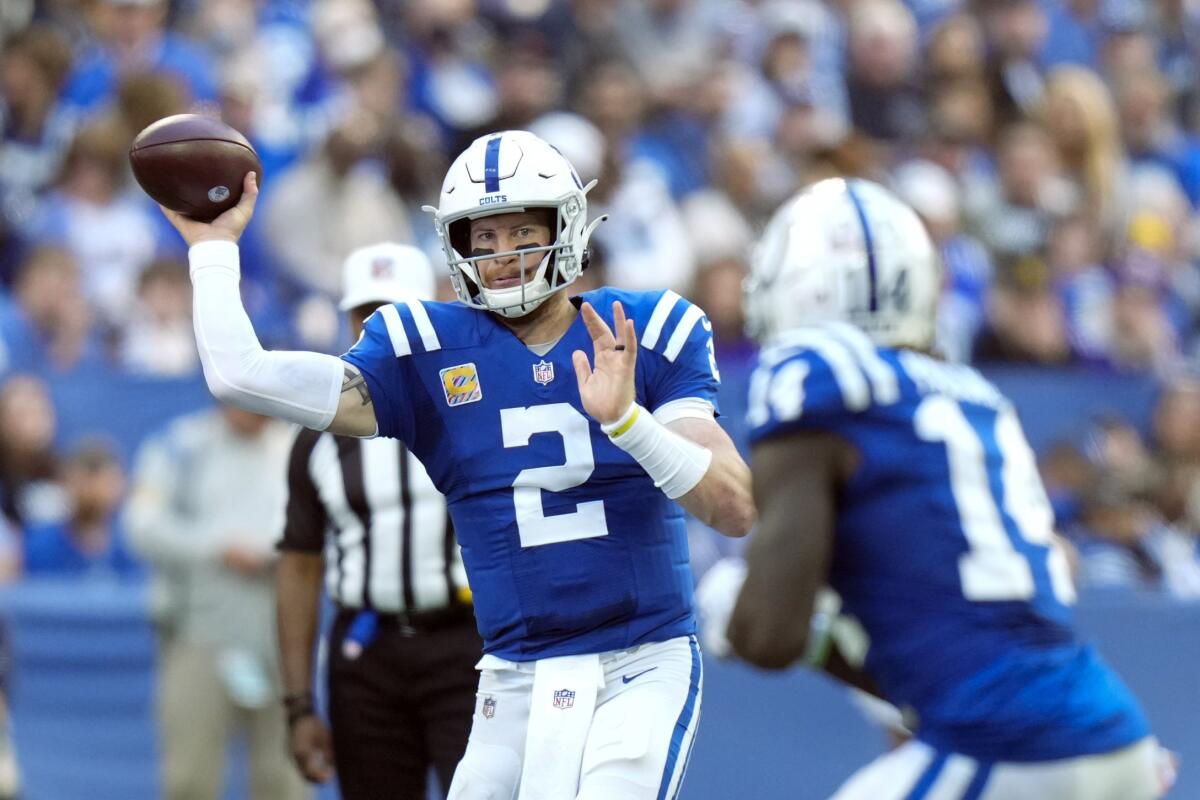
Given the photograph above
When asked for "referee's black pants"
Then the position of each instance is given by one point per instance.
(403, 705)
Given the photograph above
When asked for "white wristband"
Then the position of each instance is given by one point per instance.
(674, 462)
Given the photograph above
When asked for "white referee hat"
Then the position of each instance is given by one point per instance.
(386, 272)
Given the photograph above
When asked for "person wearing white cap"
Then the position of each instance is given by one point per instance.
(364, 515)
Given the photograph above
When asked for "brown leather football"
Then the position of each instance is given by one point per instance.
(193, 164)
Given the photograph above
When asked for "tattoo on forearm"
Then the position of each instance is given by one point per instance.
(355, 380)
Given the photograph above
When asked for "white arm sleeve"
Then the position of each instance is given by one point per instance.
(299, 387)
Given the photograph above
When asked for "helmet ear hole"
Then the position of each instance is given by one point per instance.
(460, 235)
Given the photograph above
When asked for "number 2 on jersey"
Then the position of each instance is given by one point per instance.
(993, 569)
(518, 425)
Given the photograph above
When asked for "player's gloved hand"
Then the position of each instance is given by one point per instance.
(312, 748)
(607, 388)
(226, 228)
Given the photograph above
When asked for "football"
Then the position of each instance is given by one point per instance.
(193, 164)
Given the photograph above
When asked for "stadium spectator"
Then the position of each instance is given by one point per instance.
(1025, 322)
(885, 101)
(1177, 449)
(130, 36)
(451, 80)
(1066, 474)
(203, 504)
(1124, 544)
(158, 338)
(611, 94)
(30, 493)
(956, 51)
(527, 86)
(37, 127)
(1151, 134)
(1079, 115)
(960, 134)
(415, 165)
(148, 97)
(108, 230)
(1013, 215)
(1016, 31)
(934, 195)
(1124, 540)
(331, 203)
(793, 49)
(668, 42)
(1144, 336)
(49, 327)
(1085, 287)
(89, 543)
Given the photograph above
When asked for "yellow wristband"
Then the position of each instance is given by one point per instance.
(627, 424)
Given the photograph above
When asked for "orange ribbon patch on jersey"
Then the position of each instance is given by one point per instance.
(461, 385)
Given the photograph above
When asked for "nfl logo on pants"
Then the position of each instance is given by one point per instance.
(564, 698)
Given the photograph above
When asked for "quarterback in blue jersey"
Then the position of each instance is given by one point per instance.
(565, 434)
(906, 484)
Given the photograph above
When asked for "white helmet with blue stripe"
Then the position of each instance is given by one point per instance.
(845, 250)
(503, 173)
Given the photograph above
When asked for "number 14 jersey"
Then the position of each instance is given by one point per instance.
(568, 545)
(944, 550)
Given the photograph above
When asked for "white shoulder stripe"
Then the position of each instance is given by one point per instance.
(884, 382)
(658, 318)
(424, 326)
(856, 393)
(682, 331)
(395, 329)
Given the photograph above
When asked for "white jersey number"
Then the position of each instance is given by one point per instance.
(993, 569)
(587, 521)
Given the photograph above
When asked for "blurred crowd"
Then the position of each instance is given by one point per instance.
(1052, 147)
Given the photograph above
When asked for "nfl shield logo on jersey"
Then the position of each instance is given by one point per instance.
(543, 372)
(461, 385)
(564, 698)
(489, 707)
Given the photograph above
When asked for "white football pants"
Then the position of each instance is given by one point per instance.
(915, 770)
(637, 744)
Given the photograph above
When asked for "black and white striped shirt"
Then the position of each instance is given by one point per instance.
(383, 527)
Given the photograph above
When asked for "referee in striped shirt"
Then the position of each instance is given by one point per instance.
(364, 515)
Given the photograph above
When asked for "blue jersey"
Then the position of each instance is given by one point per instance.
(944, 550)
(568, 545)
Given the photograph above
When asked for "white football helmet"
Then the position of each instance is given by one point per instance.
(501, 173)
(845, 250)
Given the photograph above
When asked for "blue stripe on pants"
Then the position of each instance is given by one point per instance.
(683, 723)
(491, 166)
(975, 790)
(925, 782)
